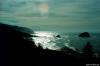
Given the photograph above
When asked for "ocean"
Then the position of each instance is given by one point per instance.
(56, 41)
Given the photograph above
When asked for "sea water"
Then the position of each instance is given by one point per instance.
(50, 40)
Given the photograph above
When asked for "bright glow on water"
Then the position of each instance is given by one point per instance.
(44, 34)
(51, 41)
(46, 40)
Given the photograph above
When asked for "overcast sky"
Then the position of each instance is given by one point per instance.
(52, 15)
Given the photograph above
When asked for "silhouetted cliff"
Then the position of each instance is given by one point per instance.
(17, 47)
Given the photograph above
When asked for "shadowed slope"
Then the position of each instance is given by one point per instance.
(18, 48)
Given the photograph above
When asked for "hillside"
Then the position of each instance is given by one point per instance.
(17, 47)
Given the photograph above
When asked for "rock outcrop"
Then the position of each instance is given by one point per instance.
(84, 35)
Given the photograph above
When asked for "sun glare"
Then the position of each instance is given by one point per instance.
(43, 8)
(43, 34)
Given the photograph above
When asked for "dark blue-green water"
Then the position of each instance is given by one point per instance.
(50, 40)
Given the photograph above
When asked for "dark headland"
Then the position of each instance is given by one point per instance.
(17, 48)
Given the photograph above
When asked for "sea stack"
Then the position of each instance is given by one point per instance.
(84, 35)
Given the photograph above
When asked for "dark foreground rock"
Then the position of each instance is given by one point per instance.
(17, 48)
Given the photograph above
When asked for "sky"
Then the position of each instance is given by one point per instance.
(52, 15)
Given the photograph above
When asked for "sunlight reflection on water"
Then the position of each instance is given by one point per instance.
(50, 40)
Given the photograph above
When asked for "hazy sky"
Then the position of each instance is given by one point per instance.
(56, 15)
